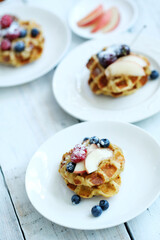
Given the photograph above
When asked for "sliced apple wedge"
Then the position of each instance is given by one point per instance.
(114, 21)
(128, 68)
(80, 167)
(102, 21)
(91, 148)
(95, 157)
(135, 59)
(91, 18)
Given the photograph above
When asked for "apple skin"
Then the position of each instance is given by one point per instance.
(91, 18)
(114, 21)
(128, 68)
(102, 21)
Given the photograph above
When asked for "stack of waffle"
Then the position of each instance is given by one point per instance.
(33, 46)
(114, 86)
(104, 181)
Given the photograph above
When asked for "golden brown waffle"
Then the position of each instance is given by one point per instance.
(107, 189)
(33, 47)
(105, 181)
(114, 86)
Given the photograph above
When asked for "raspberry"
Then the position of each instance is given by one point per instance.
(5, 45)
(13, 35)
(6, 21)
(79, 153)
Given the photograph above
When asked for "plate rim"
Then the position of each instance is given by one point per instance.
(74, 126)
(53, 65)
(130, 25)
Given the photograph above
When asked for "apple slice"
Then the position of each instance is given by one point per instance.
(91, 148)
(95, 157)
(91, 17)
(135, 59)
(102, 21)
(128, 68)
(115, 19)
(80, 167)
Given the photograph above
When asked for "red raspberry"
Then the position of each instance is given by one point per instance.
(13, 35)
(6, 21)
(5, 45)
(79, 153)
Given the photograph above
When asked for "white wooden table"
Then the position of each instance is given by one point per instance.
(29, 115)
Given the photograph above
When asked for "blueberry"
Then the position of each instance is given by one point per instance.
(76, 199)
(154, 75)
(70, 167)
(85, 139)
(19, 46)
(104, 204)
(104, 142)
(23, 33)
(96, 211)
(123, 51)
(34, 32)
(94, 140)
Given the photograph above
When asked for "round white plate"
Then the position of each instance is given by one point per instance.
(140, 180)
(57, 39)
(128, 15)
(70, 85)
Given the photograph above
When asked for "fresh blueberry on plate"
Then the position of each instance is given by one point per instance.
(76, 199)
(104, 143)
(70, 167)
(96, 211)
(154, 75)
(85, 139)
(34, 32)
(94, 140)
(23, 33)
(104, 204)
(19, 46)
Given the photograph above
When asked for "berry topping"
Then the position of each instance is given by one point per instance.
(85, 139)
(104, 143)
(5, 45)
(70, 167)
(104, 204)
(13, 35)
(6, 21)
(19, 46)
(94, 140)
(106, 58)
(23, 33)
(34, 32)
(154, 75)
(76, 199)
(123, 51)
(96, 211)
(79, 153)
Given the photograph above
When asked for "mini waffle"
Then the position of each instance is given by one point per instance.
(107, 189)
(33, 46)
(114, 86)
(105, 181)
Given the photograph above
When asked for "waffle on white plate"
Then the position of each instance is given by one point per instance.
(115, 71)
(97, 171)
(21, 42)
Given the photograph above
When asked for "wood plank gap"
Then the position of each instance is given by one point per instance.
(129, 231)
(14, 209)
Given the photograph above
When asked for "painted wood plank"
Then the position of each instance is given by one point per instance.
(9, 227)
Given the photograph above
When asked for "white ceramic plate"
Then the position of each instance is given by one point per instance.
(70, 85)
(57, 39)
(140, 180)
(128, 15)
